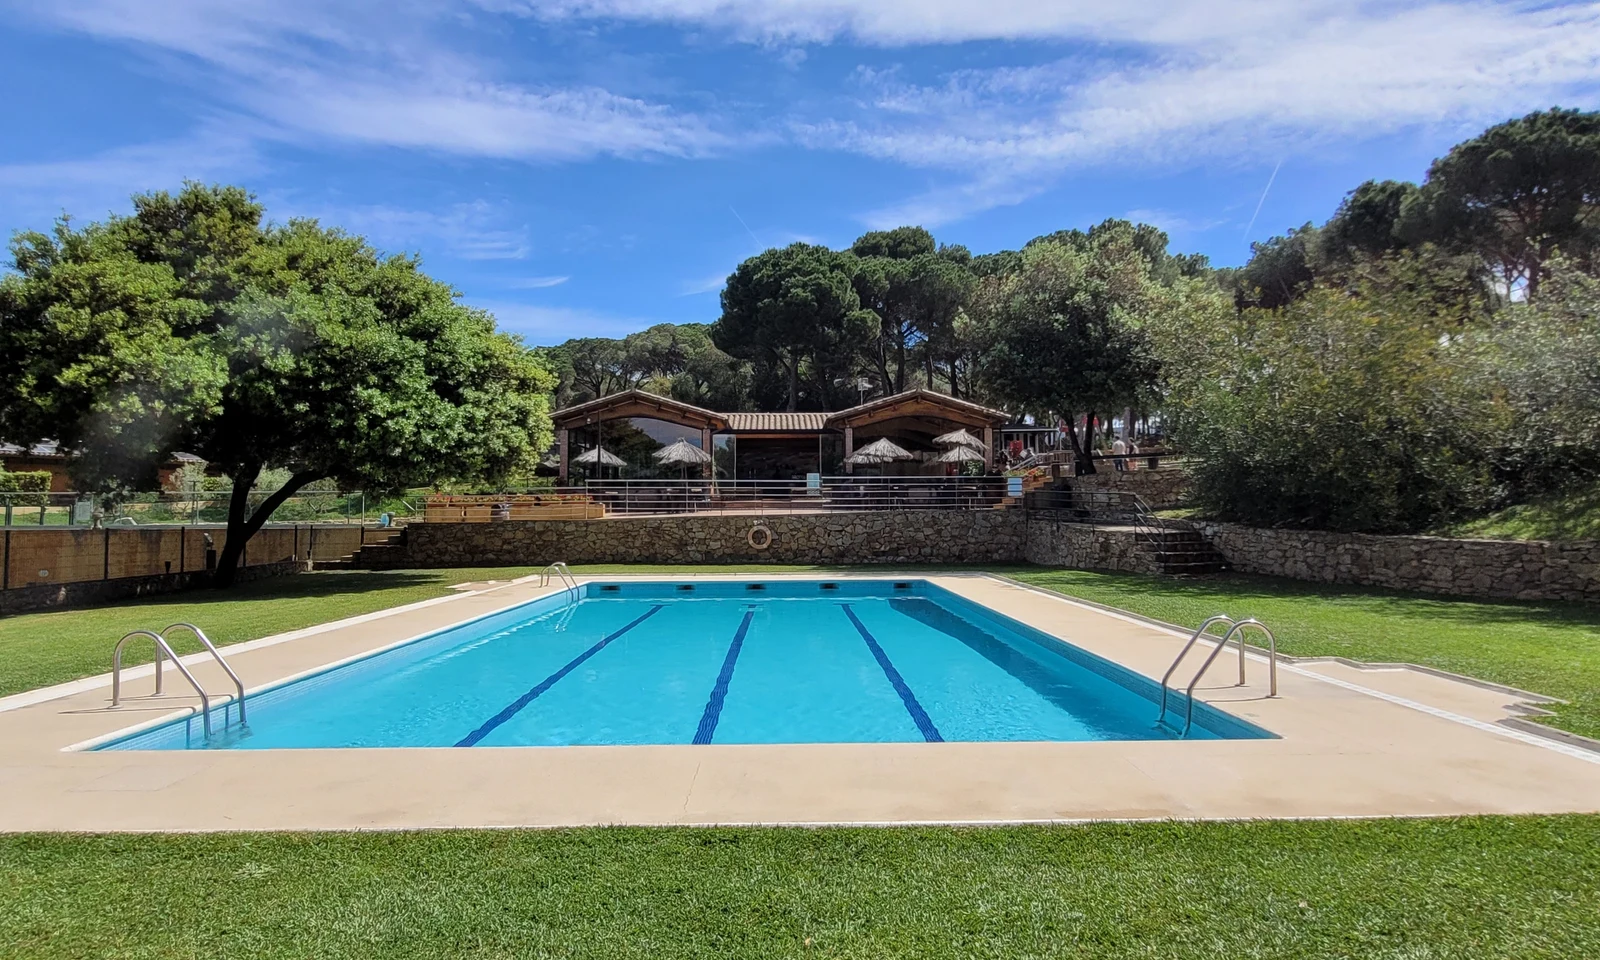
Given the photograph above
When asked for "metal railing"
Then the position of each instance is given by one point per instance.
(558, 570)
(161, 648)
(777, 497)
(164, 651)
(190, 508)
(238, 685)
(1235, 633)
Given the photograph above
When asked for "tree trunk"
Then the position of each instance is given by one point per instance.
(882, 360)
(794, 381)
(900, 364)
(242, 528)
(1082, 454)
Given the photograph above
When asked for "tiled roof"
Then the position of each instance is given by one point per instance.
(50, 448)
(755, 422)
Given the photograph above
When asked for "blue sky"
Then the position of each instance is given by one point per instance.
(589, 167)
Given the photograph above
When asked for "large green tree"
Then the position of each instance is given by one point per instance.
(796, 311)
(1521, 191)
(193, 326)
(1062, 335)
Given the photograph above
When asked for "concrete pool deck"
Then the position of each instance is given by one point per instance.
(1353, 743)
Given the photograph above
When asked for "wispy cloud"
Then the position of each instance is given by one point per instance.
(470, 231)
(711, 283)
(383, 73)
(536, 283)
(1323, 79)
(1175, 224)
(546, 326)
(90, 186)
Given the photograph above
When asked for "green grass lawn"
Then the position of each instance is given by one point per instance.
(1435, 889)
(1470, 888)
(1569, 515)
(1549, 648)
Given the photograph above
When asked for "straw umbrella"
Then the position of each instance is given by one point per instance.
(598, 457)
(959, 438)
(682, 453)
(879, 451)
(960, 453)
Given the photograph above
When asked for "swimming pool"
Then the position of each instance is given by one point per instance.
(724, 662)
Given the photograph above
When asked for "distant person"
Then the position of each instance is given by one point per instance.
(1133, 456)
(1119, 455)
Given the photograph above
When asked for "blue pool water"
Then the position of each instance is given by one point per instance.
(726, 662)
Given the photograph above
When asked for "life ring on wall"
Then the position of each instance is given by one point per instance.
(760, 536)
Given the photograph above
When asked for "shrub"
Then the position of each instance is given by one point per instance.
(33, 485)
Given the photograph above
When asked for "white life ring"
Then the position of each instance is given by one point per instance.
(760, 536)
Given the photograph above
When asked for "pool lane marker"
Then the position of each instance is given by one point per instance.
(516, 706)
(719, 692)
(919, 716)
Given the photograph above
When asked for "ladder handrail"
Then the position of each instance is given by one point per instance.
(216, 655)
(570, 583)
(161, 647)
(1200, 632)
(1272, 661)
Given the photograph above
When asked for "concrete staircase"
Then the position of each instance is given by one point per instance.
(1180, 551)
(386, 554)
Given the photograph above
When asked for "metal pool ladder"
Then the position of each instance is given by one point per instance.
(164, 651)
(1235, 627)
(559, 570)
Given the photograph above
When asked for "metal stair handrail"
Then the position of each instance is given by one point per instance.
(238, 685)
(1272, 662)
(570, 583)
(161, 648)
(1194, 638)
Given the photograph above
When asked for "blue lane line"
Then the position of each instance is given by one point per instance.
(719, 693)
(919, 716)
(550, 681)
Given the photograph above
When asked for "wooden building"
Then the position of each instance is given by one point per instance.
(771, 446)
(48, 457)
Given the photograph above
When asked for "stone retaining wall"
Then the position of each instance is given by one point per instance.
(1163, 488)
(898, 536)
(1085, 546)
(1494, 569)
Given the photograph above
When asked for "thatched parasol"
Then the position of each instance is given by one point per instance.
(600, 456)
(960, 453)
(878, 451)
(959, 438)
(683, 452)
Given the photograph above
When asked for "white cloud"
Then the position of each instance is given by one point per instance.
(1174, 224)
(90, 186)
(537, 283)
(711, 283)
(1321, 83)
(387, 74)
(902, 22)
(469, 231)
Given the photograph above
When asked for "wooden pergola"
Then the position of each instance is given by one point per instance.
(923, 414)
(635, 403)
(918, 412)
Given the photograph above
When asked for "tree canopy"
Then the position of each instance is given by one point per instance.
(194, 326)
